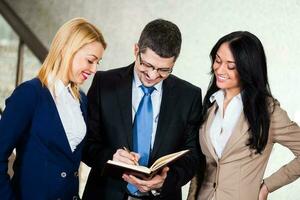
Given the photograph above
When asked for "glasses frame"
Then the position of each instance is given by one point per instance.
(163, 72)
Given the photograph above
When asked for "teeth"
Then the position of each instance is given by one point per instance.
(222, 77)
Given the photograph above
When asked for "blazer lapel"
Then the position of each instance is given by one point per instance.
(168, 103)
(58, 133)
(124, 95)
(240, 129)
(206, 128)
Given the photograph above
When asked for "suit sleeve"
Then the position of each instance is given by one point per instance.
(95, 151)
(184, 169)
(15, 121)
(286, 133)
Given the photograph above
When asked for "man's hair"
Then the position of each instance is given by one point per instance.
(161, 36)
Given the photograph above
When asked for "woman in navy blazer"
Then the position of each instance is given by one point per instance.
(44, 119)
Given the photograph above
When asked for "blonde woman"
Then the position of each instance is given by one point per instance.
(44, 118)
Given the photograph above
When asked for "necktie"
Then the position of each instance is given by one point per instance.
(142, 131)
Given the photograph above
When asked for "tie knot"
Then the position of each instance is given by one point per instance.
(147, 90)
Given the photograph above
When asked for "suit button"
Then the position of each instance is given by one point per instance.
(215, 185)
(75, 198)
(76, 174)
(63, 174)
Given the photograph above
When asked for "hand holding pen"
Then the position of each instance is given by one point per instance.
(135, 157)
(124, 155)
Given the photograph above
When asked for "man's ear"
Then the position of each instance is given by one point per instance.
(136, 50)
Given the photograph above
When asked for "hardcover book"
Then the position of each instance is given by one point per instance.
(117, 169)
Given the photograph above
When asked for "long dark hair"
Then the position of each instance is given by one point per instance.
(251, 66)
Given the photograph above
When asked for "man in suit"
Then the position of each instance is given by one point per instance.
(120, 117)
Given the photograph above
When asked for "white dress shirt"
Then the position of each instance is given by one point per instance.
(222, 127)
(69, 112)
(137, 95)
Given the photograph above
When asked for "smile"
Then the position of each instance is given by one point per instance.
(222, 77)
(85, 75)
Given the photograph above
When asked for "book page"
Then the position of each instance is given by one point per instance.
(166, 159)
(139, 168)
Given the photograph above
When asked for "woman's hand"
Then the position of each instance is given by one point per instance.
(263, 193)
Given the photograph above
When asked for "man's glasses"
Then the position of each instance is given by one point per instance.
(163, 72)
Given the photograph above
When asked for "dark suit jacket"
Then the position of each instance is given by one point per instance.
(110, 128)
(45, 166)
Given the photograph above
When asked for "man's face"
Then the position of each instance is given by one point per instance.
(151, 68)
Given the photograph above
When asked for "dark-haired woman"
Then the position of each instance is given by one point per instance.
(241, 123)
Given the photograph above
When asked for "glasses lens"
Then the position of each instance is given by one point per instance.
(164, 72)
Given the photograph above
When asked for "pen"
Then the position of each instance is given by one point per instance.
(134, 160)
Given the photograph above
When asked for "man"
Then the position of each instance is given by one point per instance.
(120, 117)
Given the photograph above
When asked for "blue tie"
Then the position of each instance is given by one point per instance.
(142, 131)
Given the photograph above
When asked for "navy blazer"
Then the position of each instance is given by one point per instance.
(45, 166)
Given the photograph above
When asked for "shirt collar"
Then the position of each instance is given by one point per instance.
(58, 87)
(137, 82)
(61, 88)
(219, 96)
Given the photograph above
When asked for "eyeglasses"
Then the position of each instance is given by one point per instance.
(163, 72)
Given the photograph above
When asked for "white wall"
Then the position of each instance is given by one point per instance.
(276, 23)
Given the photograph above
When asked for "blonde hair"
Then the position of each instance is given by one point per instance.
(70, 37)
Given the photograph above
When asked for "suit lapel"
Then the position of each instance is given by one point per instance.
(206, 129)
(168, 103)
(240, 129)
(124, 95)
(59, 133)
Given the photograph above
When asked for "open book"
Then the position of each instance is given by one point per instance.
(116, 169)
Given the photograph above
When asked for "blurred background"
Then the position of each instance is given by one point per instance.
(28, 26)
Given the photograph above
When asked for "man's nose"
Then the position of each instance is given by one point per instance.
(153, 74)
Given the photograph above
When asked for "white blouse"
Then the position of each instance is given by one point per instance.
(222, 127)
(70, 113)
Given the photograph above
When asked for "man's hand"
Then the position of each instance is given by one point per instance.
(146, 185)
(263, 193)
(124, 156)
